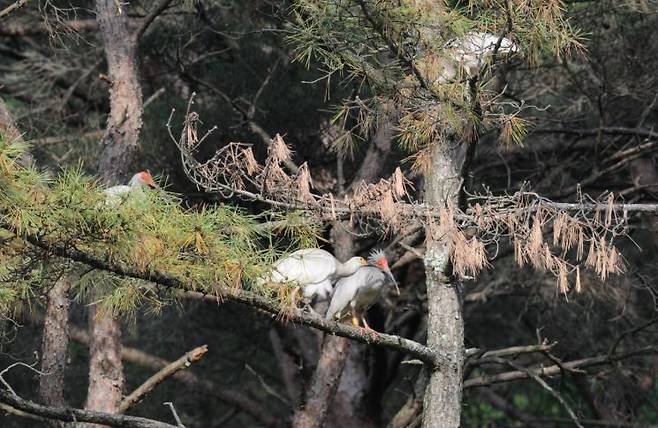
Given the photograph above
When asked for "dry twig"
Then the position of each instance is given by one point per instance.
(163, 374)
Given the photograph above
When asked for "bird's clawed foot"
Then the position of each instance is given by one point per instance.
(367, 330)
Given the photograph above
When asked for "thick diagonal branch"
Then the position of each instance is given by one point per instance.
(244, 297)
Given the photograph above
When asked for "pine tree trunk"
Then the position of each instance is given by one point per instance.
(445, 328)
(106, 378)
(126, 111)
(333, 356)
(54, 345)
(119, 146)
(347, 408)
(324, 383)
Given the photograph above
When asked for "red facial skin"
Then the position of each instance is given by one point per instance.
(382, 263)
(146, 178)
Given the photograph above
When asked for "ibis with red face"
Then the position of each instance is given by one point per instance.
(354, 294)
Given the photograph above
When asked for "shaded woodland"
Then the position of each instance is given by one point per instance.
(516, 200)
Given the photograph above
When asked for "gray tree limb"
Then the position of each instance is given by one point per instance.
(67, 414)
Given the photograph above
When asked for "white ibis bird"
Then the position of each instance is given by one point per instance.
(357, 292)
(472, 51)
(315, 270)
(138, 181)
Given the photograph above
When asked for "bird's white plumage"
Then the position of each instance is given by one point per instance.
(114, 194)
(471, 51)
(356, 292)
(314, 269)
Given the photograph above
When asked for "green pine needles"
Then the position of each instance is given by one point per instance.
(209, 249)
(415, 55)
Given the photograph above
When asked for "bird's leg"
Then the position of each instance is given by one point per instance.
(355, 319)
(367, 328)
(365, 331)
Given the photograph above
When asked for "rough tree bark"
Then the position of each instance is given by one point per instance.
(54, 345)
(324, 383)
(125, 119)
(445, 325)
(119, 146)
(7, 126)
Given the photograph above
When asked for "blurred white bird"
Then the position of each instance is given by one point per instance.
(315, 270)
(473, 50)
(138, 181)
(357, 292)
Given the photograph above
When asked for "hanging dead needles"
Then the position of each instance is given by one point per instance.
(522, 218)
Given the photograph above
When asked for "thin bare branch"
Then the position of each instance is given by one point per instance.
(12, 8)
(534, 376)
(608, 130)
(148, 20)
(235, 399)
(557, 369)
(78, 415)
(182, 363)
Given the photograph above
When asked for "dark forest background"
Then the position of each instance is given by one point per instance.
(591, 131)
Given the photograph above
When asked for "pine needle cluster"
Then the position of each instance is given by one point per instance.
(406, 51)
(209, 249)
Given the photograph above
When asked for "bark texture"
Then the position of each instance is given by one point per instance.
(333, 356)
(7, 126)
(119, 146)
(125, 119)
(106, 378)
(411, 412)
(324, 383)
(445, 325)
(54, 345)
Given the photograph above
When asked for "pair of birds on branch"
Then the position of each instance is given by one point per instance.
(358, 283)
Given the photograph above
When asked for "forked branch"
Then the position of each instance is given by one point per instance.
(78, 415)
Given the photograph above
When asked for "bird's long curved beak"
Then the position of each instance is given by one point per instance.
(390, 275)
(153, 185)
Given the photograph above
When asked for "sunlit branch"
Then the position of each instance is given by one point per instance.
(244, 297)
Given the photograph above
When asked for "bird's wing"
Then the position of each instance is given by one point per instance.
(345, 290)
(117, 190)
(372, 280)
(114, 194)
(321, 290)
(308, 266)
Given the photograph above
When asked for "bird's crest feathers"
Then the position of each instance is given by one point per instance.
(378, 258)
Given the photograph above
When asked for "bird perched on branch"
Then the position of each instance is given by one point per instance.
(354, 294)
(138, 181)
(315, 270)
(471, 51)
